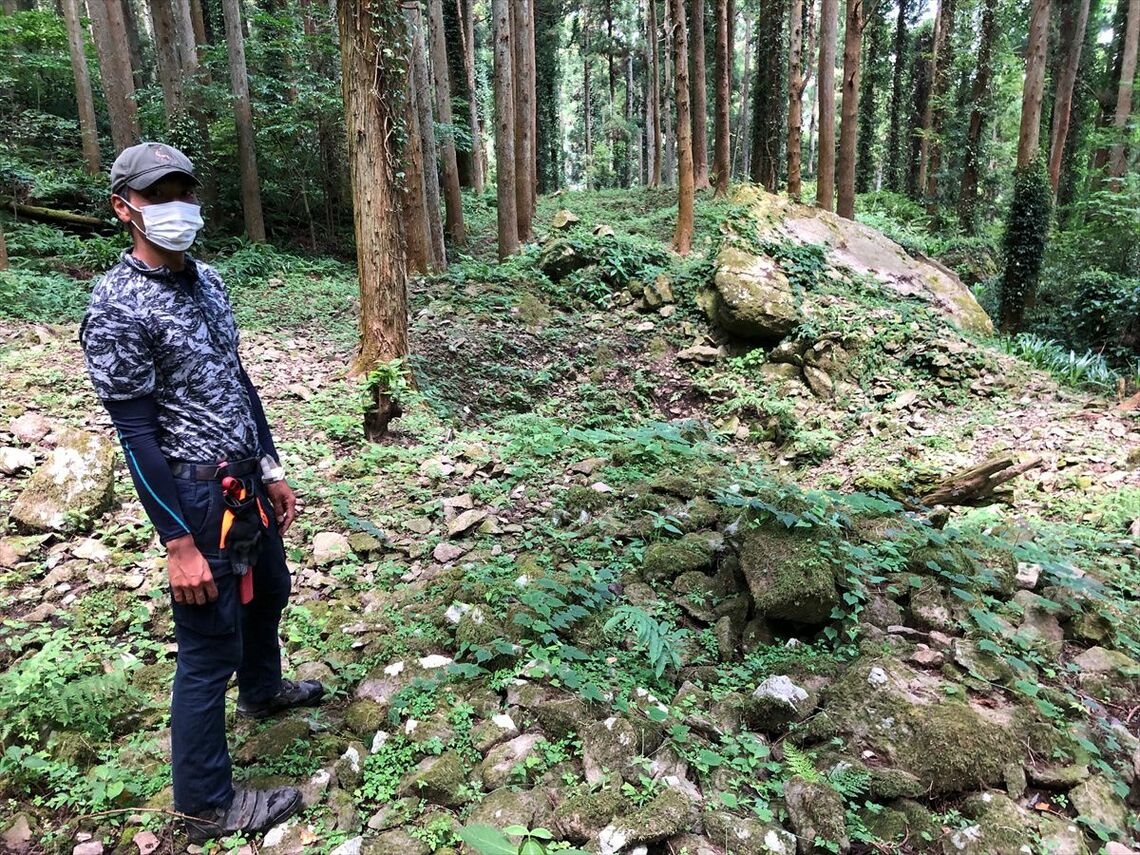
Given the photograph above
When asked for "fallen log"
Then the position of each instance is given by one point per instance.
(976, 486)
(53, 215)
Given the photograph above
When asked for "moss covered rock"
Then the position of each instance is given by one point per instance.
(439, 780)
(923, 725)
(668, 559)
(786, 574)
(71, 488)
(669, 813)
(753, 299)
(747, 836)
(582, 816)
(816, 812)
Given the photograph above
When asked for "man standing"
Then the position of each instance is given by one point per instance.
(161, 347)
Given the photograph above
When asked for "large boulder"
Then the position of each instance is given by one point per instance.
(921, 724)
(787, 576)
(753, 299)
(71, 488)
(863, 250)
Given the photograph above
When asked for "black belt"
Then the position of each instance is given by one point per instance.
(214, 471)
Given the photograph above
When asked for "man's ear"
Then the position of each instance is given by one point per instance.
(121, 208)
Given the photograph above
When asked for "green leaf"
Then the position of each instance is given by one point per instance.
(729, 800)
(487, 840)
(710, 758)
(656, 713)
(532, 847)
(516, 830)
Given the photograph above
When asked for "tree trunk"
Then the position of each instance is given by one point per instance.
(873, 71)
(668, 85)
(478, 157)
(979, 99)
(371, 42)
(3, 242)
(451, 193)
(631, 133)
(654, 97)
(548, 135)
(743, 129)
(505, 129)
(796, 83)
(1082, 116)
(825, 172)
(76, 46)
(700, 99)
(1072, 40)
(522, 65)
(1117, 159)
(109, 29)
(588, 160)
(417, 231)
(769, 103)
(198, 19)
(166, 52)
(421, 88)
(848, 131)
(134, 43)
(243, 120)
(1036, 52)
(921, 79)
(936, 105)
(683, 237)
(896, 144)
(721, 165)
(185, 39)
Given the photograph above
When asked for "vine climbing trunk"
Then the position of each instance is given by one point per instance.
(796, 84)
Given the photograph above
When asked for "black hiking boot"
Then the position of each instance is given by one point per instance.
(307, 693)
(251, 812)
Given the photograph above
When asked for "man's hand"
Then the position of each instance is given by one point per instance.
(284, 504)
(190, 576)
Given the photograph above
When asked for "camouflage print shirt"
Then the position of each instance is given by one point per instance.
(151, 331)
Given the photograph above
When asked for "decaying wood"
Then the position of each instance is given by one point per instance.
(976, 486)
(52, 215)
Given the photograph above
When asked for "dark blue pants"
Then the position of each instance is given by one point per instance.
(214, 641)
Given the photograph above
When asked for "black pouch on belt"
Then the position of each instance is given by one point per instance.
(243, 525)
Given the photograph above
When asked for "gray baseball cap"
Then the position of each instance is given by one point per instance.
(142, 165)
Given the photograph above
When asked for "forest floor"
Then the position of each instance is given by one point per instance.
(504, 545)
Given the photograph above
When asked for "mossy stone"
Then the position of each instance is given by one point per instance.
(789, 578)
(816, 812)
(909, 718)
(273, 742)
(583, 815)
(666, 560)
(585, 499)
(365, 717)
(438, 780)
(668, 813)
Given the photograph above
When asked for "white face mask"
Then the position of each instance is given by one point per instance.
(171, 225)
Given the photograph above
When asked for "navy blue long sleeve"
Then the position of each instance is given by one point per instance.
(136, 420)
(264, 436)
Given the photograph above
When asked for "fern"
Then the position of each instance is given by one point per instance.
(800, 765)
(848, 781)
(658, 638)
